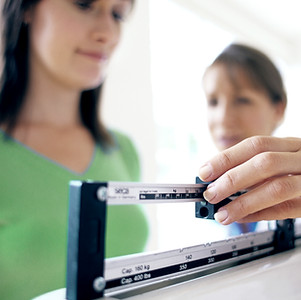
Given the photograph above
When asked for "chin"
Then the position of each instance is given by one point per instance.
(91, 81)
(91, 87)
(92, 84)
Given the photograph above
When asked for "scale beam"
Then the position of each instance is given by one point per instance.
(91, 276)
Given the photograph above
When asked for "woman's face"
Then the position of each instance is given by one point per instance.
(237, 111)
(71, 41)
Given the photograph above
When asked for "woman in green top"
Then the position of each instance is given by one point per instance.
(55, 57)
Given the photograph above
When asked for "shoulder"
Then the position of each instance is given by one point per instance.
(128, 151)
(122, 141)
(6, 140)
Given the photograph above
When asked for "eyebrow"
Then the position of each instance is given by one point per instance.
(89, 1)
(131, 1)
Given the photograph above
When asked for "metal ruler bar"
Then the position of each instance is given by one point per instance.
(134, 272)
(120, 193)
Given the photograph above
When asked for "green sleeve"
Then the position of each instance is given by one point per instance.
(129, 155)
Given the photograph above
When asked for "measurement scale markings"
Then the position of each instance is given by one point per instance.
(178, 256)
(135, 193)
(151, 274)
(154, 196)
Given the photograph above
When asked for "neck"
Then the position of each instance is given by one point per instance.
(53, 107)
(47, 102)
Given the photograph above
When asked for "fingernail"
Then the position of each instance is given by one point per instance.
(221, 215)
(205, 172)
(210, 192)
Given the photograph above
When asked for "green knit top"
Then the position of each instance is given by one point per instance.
(34, 214)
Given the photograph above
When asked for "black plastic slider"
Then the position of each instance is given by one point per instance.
(206, 210)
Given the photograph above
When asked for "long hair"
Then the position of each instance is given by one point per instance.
(14, 78)
(258, 66)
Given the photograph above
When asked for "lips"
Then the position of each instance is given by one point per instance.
(97, 56)
(228, 141)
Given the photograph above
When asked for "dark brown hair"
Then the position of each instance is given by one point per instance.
(259, 68)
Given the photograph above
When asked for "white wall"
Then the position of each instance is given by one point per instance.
(128, 93)
(154, 90)
(127, 98)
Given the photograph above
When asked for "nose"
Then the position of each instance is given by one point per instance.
(106, 30)
(225, 114)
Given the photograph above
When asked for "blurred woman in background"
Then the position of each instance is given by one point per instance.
(245, 97)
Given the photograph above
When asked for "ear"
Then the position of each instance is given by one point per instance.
(28, 16)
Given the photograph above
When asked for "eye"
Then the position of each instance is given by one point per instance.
(118, 16)
(83, 5)
(212, 102)
(121, 10)
(243, 100)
